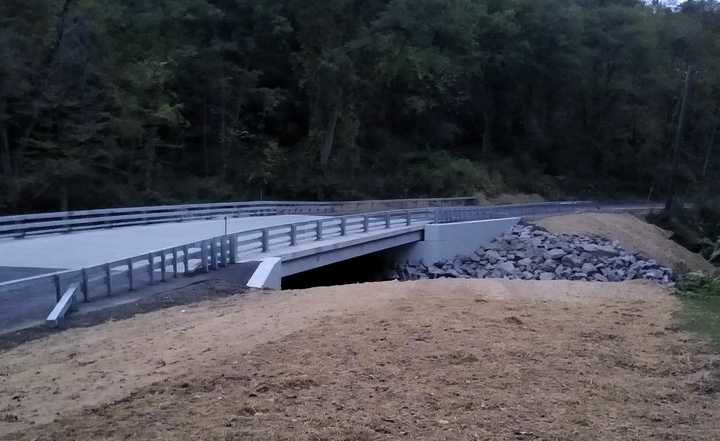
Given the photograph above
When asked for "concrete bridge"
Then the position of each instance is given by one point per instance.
(47, 270)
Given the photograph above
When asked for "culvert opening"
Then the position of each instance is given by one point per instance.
(376, 267)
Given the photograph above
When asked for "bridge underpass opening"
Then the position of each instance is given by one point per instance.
(375, 267)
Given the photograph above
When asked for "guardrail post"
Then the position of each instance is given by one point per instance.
(223, 252)
(175, 262)
(67, 219)
(265, 240)
(343, 226)
(151, 268)
(186, 260)
(387, 220)
(318, 230)
(293, 235)
(214, 254)
(108, 279)
(408, 218)
(84, 284)
(58, 288)
(130, 274)
(203, 256)
(233, 249)
(21, 231)
(366, 223)
(163, 269)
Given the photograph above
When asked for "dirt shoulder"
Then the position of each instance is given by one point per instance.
(633, 233)
(445, 359)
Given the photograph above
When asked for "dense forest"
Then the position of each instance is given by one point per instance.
(115, 102)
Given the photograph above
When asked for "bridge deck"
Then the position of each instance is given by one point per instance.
(89, 248)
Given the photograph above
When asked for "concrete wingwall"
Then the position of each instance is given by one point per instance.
(446, 241)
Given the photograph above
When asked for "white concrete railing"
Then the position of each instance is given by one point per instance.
(134, 272)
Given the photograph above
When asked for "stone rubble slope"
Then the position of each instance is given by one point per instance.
(530, 252)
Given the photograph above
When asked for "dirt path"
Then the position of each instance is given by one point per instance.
(432, 360)
(634, 234)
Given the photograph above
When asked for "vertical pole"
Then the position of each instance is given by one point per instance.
(84, 285)
(163, 265)
(233, 249)
(108, 279)
(387, 220)
(186, 260)
(58, 288)
(343, 226)
(130, 274)
(175, 262)
(318, 230)
(366, 223)
(408, 218)
(293, 235)
(265, 240)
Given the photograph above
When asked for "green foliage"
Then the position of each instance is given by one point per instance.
(110, 102)
(698, 285)
(700, 294)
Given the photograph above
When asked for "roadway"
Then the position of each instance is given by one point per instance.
(49, 253)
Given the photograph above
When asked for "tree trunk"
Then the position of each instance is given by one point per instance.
(329, 139)
(206, 158)
(223, 132)
(64, 197)
(678, 138)
(708, 152)
(487, 136)
(5, 155)
(150, 154)
(41, 83)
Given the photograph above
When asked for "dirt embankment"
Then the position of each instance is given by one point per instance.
(634, 234)
(431, 360)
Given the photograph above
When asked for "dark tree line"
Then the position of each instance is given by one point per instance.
(116, 102)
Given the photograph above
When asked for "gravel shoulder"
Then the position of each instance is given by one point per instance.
(633, 233)
(440, 359)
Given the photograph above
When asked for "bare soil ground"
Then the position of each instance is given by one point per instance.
(430, 360)
(634, 234)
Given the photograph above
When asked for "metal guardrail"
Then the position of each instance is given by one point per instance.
(68, 221)
(23, 225)
(461, 214)
(203, 256)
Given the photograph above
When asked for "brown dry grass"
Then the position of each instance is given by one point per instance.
(432, 360)
(634, 234)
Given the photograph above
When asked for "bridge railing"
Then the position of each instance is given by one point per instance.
(461, 214)
(68, 221)
(23, 225)
(135, 272)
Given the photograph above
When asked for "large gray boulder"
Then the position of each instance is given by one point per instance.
(555, 254)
